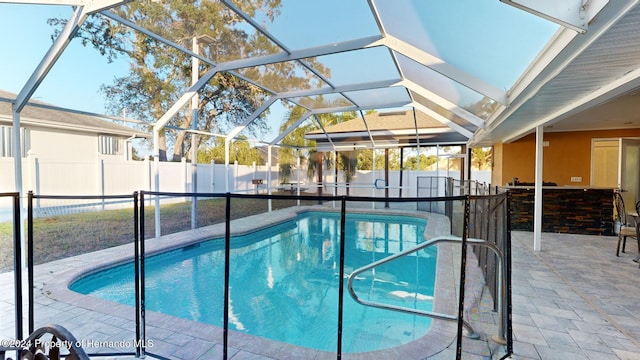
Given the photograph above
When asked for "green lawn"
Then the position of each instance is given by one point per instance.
(60, 236)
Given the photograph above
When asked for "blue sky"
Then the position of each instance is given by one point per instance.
(76, 77)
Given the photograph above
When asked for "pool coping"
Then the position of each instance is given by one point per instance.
(440, 335)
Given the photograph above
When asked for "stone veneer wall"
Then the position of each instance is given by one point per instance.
(565, 210)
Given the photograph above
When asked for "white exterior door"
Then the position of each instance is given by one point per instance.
(629, 171)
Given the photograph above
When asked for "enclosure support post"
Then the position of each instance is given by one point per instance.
(319, 167)
(17, 162)
(194, 189)
(537, 202)
(401, 172)
(386, 176)
(183, 178)
(418, 151)
(269, 175)
(213, 176)
(156, 176)
(53, 54)
(335, 176)
(235, 174)
(298, 174)
(253, 176)
(373, 172)
(195, 100)
(437, 160)
(226, 165)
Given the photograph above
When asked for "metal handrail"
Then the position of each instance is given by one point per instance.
(431, 314)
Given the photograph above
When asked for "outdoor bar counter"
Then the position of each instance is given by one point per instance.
(565, 209)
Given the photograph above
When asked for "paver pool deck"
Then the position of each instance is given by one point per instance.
(573, 300)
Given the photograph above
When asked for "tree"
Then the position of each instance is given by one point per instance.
(160, 74)
(481, 158)
(411, 162)
(483, 108)
(365, 159)
(239, 150)
(134, 154)
(348, 161)
(294, 140)
(394, 160)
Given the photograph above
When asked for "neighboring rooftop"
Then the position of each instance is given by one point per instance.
(395, 128)
(39, 113)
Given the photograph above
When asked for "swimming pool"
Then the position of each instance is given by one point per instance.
(284, 282)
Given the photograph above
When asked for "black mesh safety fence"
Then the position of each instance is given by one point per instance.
(70, 238)
(487, 290)
(404, 271)
(185, 275)
(182, 261)
(282, 295)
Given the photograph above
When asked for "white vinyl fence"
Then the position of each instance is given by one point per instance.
(115, 176)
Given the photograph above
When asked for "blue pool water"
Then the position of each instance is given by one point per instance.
(284, 282)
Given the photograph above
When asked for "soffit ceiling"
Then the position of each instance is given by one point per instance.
(591, 85)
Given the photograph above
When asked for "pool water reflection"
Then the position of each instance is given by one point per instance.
(284, 282)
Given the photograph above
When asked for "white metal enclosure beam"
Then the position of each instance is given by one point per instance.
(462, 131)
(47, 2)
(334, 110)
(444, 68)
(46, 64)
(184, 99)
(256, 26)
(252, 117)
(340, 89)
(50, 58)
(123, 21)
(389, 105)
(537, 206)
(573, 14)
(291, 128)
(324, 131)
(344, 46)
(440, 101)
(90, 6)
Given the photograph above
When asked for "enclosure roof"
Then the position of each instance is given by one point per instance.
(487, 71)
(392, 120)
(385, 129)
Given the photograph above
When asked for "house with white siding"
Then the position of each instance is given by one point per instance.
(55, 134)
(68, 152)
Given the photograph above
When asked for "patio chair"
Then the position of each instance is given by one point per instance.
(623, 226)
